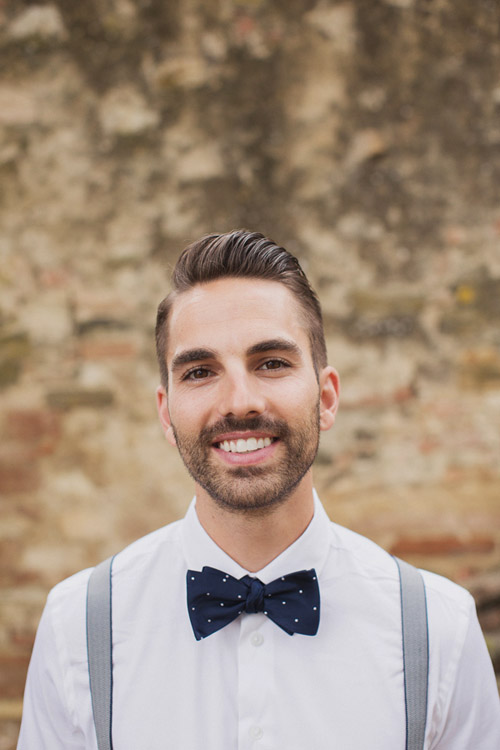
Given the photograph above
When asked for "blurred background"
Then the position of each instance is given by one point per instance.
(364, 136)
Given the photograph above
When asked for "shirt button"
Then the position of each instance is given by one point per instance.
(256, 733)
(256, 639)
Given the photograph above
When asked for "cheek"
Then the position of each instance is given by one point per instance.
(189, 413)
(295, 402)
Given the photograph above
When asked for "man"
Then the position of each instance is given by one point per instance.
(245, 390)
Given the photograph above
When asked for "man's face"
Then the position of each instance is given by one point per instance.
(244, 406)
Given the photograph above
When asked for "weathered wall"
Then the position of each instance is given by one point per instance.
(363, 135)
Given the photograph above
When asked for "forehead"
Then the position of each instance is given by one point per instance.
(234, 313)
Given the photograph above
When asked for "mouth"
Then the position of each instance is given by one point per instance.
(242, 445)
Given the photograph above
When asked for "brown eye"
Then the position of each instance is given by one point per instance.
(274, 364)
(199, 373)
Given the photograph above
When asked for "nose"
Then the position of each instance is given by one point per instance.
(240, 396)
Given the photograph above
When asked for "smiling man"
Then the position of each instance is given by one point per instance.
(254, 622)
(244, 402)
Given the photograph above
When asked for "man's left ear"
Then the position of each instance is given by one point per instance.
(329, 396)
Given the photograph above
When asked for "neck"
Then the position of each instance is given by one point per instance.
(253, 540)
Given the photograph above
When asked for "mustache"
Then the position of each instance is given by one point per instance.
(276, 427)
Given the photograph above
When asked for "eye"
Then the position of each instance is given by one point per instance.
(274, 364)
(197, 373)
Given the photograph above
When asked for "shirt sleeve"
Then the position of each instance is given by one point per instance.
(472, 716)
(47, 723)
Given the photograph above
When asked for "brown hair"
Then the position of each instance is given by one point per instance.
(241, 254)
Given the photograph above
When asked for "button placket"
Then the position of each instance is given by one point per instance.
(255, 682)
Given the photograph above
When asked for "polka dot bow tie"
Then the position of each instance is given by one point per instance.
(215, 599)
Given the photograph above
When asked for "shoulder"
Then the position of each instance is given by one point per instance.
(446, 595)
(358, 556)
(362, 558)
(162, 544)
(134, 560)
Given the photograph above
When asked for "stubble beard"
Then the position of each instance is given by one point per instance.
(254, 490)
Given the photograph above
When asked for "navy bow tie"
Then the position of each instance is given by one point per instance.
(215, 599)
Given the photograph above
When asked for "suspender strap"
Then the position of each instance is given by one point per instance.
(415, 653)
(99, 647)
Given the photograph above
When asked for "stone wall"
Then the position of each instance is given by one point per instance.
(364, 136)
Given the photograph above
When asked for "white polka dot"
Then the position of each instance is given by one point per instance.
(283, 602)
(282, 578)
(265, 612)
(314, 578)
(208, 593)
(315, 608)
(239, 596)
(222, 604)
(192, 578)
(300, 591)
(193, 608)
(296, 620)
(209, 620)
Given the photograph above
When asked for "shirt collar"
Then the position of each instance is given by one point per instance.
(308, 551)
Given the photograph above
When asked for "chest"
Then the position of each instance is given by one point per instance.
(253, 686)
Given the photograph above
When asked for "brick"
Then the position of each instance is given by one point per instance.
(13, 668)
(11, 573)
(244, 26)
(39, 22)
(490, 619)
(17, 108)
(381, 401)
(10, 720)
(18, 470)
(493, 644)
(485, 588)
(14, 348)
(429, 445)
(446, 544)
(108, 349)
(72, 398)
(480, 369)
(54, 278)
(39, 427)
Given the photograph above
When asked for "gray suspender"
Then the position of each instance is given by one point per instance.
(99, 650)
(415, 652)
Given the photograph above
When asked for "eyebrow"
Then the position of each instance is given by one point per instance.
(271, 345)
(191, 355)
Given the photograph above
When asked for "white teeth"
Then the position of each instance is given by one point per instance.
(245, 446)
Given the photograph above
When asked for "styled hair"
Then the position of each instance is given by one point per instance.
(241, 254)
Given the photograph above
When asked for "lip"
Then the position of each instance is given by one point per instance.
(247, 459)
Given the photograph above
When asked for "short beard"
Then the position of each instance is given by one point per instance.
(253, 490)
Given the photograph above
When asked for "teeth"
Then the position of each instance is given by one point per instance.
(245, 446)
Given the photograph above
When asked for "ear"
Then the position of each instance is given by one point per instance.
(164, 414)
(329, 397)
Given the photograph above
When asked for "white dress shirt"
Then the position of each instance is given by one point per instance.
(250, 686)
